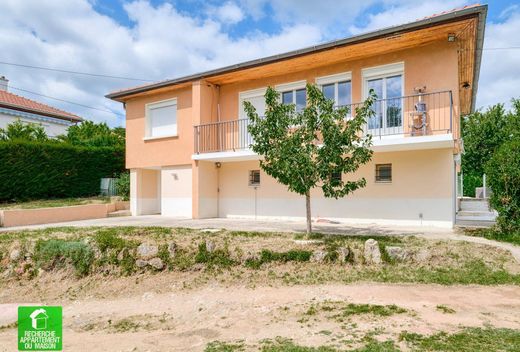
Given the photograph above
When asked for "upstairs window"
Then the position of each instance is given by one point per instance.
(383, 173)
(337, 87)
(161, 119)
(254, 178)
(294, 93)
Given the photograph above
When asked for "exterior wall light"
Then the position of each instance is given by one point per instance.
(451, 37)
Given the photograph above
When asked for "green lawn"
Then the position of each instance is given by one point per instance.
(495, 234)
(52, 203)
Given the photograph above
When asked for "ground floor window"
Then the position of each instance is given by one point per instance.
(383, 173)
(254, 177)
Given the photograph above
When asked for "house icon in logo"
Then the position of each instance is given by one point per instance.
(39, 319)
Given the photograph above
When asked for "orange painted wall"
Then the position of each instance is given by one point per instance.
(433, 65)
(159, 152)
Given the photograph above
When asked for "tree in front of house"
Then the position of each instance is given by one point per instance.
(307, 149)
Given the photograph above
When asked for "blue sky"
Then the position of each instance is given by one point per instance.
(155, 40)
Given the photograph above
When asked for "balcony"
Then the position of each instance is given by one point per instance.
(409, 119)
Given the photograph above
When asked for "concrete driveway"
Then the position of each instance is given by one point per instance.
(243, 225)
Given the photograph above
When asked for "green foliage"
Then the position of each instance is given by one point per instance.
(503, 172)
(164, 255)
(267, 256)
(218, 346)
(40, 170)
(108, 239)
(374, 309)
(483, 134)
(303, 149)
(496, 234)
(123, 185)
(54, 252)
(91, 134)
(23, 131)
(466, 340)
(219, 257)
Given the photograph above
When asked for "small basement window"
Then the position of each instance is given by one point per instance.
(383, 173)
(254, 177)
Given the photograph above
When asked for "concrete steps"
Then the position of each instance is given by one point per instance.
(475, 212)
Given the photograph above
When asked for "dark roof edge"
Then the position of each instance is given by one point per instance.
(39, 112)
(481, 26)
(427, 22)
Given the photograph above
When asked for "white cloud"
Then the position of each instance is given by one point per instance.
(162, 43)
(229, 13)
(399, 12)
(500, 72)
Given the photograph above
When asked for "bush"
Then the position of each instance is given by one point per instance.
(123, 186)
(503, 172)
(54, 252)
(39, 170)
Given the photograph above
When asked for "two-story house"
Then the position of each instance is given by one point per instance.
(188, 147)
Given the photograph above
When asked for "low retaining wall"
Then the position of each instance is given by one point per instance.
(22, 217)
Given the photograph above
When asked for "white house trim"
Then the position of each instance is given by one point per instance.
(338, 77)
(290, 86)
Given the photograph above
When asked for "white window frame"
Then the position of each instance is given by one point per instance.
(160, 104)
(335, 79)
(384, 71)
(290, 87)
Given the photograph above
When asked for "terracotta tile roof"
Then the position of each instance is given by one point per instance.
(16, 102)
(450, 11)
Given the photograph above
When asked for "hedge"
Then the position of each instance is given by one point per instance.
(503, 171)
(38, 170)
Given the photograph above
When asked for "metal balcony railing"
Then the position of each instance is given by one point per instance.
(409, 116)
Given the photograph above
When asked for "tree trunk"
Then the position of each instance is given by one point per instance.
(308, 208)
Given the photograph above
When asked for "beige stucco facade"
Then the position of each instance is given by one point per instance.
(173, 176)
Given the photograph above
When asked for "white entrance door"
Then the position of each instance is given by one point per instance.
(388, 119)
(257, 99)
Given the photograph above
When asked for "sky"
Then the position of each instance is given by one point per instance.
(151, 40)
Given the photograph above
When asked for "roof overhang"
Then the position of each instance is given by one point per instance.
(395, 38)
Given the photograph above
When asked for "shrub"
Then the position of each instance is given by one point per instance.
(219, 257)
(39, 170)
(108, 239)
(55, 252)
(267, 256)
(123, 186)
(503, 171)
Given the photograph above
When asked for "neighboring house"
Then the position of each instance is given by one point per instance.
(14, 107)
(188, 145)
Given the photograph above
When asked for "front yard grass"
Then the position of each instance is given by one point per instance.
(465, 340)
(53, 203)
(255, 258)
(494, 234)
